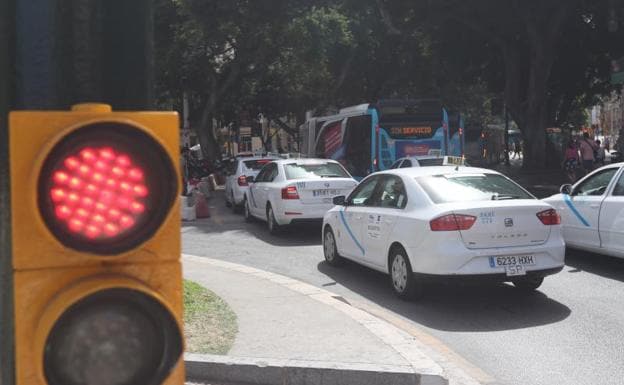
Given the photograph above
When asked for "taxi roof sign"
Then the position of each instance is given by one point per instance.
(454, 161)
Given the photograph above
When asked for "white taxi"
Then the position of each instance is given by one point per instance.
(428, 160)
(441, 222)
(292, 191)
(236, 181)
(592, 211)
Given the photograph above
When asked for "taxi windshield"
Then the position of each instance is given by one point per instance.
(471, 187)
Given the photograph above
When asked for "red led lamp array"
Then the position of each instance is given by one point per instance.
(98, 193)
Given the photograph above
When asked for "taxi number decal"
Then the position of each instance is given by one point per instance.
(373, 228)
(487, 217)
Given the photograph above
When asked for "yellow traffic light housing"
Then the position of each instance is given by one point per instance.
(96, 246)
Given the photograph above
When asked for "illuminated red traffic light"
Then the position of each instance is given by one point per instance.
(106, 188)
(98, 192)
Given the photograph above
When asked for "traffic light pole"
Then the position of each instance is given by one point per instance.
(7, 371)
(50, 67)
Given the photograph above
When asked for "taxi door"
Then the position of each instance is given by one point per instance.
(580, 219)
(259, 190)
(381, 218)
(352, 217)
(612, 219)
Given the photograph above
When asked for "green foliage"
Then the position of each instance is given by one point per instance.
(548, 59)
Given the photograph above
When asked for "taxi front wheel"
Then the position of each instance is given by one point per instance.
(405, 285)
(330, 250)
(528, 284)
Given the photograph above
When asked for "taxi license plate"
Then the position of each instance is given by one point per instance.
(513, 264)
(325, 193)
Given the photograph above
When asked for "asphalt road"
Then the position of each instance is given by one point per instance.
(570, 332)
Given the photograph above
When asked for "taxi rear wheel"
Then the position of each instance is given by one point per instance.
(233, 205)
(228, 203)
(405, 285)
(273, 226)
(247, 211)
(528, 284)
(330, 250)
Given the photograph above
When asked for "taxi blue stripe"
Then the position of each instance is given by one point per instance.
(344, 222)
(568, 201)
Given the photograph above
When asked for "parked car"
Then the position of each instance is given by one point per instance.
(428, 160)
(614, 157)
(592, 211)
(236, 180)
(420, 223)
(292, 191)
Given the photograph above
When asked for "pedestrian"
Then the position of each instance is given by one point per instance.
(600, 154)
(571, 161)
(184, 169)
(607, 144)
(517, 149)
(587, 149)
(483, 145)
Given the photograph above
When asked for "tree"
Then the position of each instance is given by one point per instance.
(526, 50)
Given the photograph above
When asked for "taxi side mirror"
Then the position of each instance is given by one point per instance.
(250, 179)
(566, 189)
(339, 200)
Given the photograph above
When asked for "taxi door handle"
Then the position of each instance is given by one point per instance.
(594, 206)
(266, 189)
(358, 217)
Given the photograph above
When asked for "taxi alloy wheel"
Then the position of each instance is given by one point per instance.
(274, 228)
(404, 284)
(528, 283)
(330, 250)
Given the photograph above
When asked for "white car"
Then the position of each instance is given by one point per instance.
(428, 160)
(236, 181)
(592, 211)
(426, 222)
(296, 190)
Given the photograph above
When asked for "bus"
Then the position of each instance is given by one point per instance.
(370, 137)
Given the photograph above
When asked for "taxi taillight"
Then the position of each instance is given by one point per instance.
(549, 217)
(290, 192)
(452, 222)
(242, 181)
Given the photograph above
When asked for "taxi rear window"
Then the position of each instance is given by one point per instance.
(256, 164)
(471, 187)
(315, 170)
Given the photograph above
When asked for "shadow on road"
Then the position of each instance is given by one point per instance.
(454, 307)
(602, 265)
(223, 220)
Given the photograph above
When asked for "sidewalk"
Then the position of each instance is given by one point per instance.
(290, 322)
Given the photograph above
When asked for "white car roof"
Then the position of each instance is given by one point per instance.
(437, 170)
(417, 157)
(305, 161)
(257, 158)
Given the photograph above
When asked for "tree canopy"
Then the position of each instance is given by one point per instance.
(547, 59)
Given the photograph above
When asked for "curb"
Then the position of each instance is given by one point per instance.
(421, 369)
(256, 371)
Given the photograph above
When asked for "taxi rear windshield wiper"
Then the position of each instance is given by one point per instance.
(500, 197)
